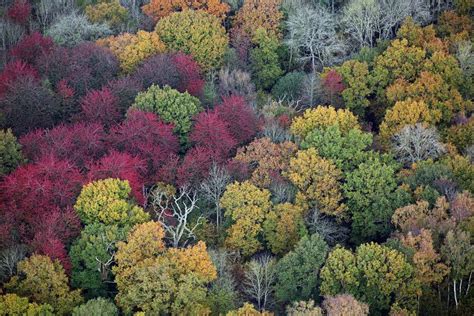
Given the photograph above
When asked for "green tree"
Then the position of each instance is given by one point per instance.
(297, 272)
(44, 281)
(197, 33)
(97, 307)
(92, 256)
(171, 106)
(12, 304)
(372, 197)
(10, 152)
(264, 59)
(246, 206)
(375, 274)
(108, 201)
(347, 150)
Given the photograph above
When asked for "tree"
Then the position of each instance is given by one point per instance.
(108, 201)
(247, 206)
(415, 143)
(212, 189)
(312, 34)
(304, 308)
(100, 106)
(297, 273)
(264, 59)
(236, 82)
(28, 105)
(375, 274)
(317, 180)
(372, 197)
(206, 42)
(404, 113)
(283, 227)
(44, 281)
(322, 117)
(344, 304)
(146, 136)
(358, 86)
(125, 89)
(266, 160)
(158, 9)
(212, 132)
(98, 306)
(12, 304)
(289, 87)
(242, 120)
(190, 74)
(152, 279)
(31, 47)
(171, 105)
(346, 151)
(195, 166)
(10, 152)
(13, 71)
(426, 261)
(247, 310)
(92, 256)
(173, 210)
(259, 279)
(73, 28)
(80, 143)
(19, 11)
(111, 13)
(132, 49)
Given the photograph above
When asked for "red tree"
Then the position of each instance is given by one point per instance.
(80, 143)
(190, 74)
(19, 11)
(31, 47)
(36, 193)
(195, 166)
(13, 71)
(159, 70)
(100, 106)
(242, 121)
(211, 132)
(332, 82)
(144, 135)
(125, 89)
(122, 166)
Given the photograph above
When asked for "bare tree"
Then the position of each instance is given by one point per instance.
(332, 232)
(236, 82)
(213, 187)
(465, 55)
(259, 279)
(47, 11)
(416, 142)
(9, 257)
(173, 209)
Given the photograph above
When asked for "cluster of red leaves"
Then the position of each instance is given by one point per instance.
(100, 106)
(190, 74)
(81, 143)
(144, 135)
(332, 82)
(19, 11)
(31, 47)
(36, 202)
(13, 71)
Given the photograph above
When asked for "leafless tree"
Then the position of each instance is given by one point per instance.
(173, 210)
(47, 11)
(416, 142)
(282, 192)
(9, 257)
(259, 279)
(213, 187)
(10, 33)
(465, 55)
(332, 232)
(236, 82)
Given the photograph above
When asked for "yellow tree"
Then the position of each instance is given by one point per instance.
(255, 14)
(322, 117)
(155, 280)
(131, 49)
(403, 113)
(157, 9)
(44, 281)
(12, 304)
(318, 182)
(247, 206)
(284, 227)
